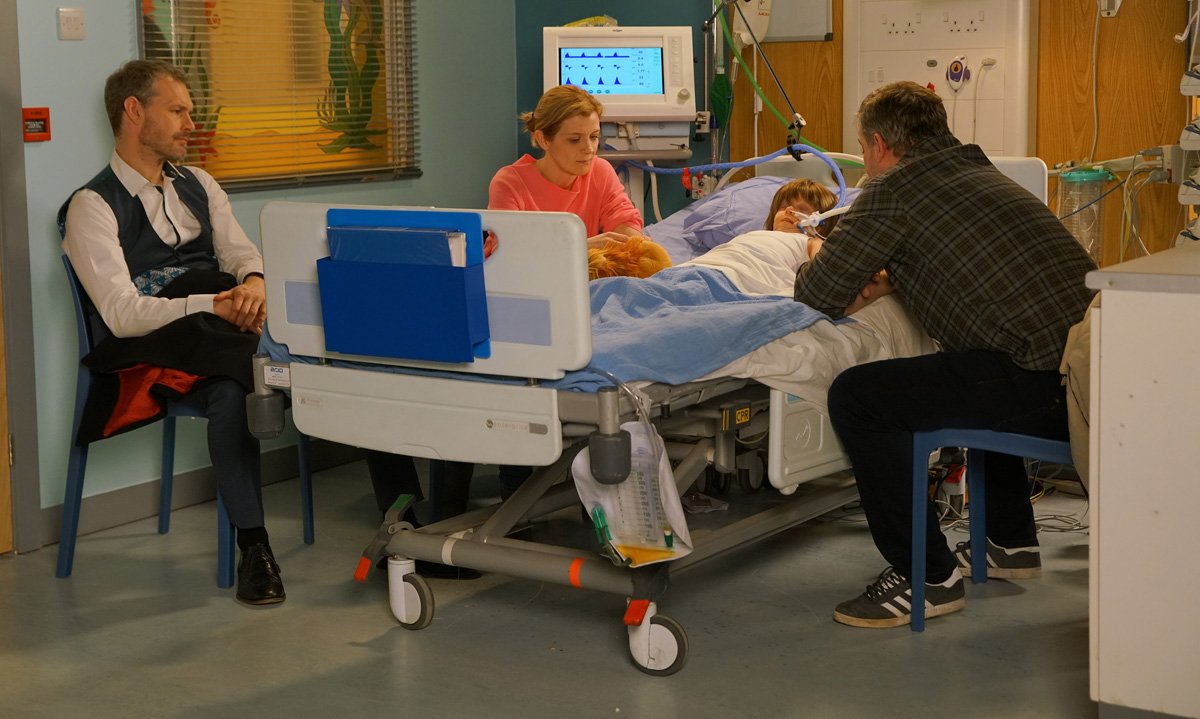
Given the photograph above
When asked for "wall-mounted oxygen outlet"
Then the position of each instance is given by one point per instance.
(72, 25)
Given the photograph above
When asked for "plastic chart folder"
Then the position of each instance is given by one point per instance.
(405, 284)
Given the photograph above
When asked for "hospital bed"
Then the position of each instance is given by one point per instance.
(537, 303)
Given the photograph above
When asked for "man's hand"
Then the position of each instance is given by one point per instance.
(814, 246)
(879, 286)
(244, 305)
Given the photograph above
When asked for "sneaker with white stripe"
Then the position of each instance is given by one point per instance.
(1002, 563)
(888, 601)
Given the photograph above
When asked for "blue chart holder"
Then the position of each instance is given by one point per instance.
(402, 294)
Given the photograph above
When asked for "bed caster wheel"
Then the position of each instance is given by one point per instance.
(659, 646)
(717, 482)
(750, 478)
(409, 594)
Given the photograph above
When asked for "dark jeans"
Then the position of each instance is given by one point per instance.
(232, 449)
(450, 482)
(395, 474)
(876, 407)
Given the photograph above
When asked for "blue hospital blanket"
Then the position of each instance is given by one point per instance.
(680, 324)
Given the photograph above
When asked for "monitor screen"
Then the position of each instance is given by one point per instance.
(640, 74)
(612, 70)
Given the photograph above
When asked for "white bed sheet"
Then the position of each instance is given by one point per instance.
(805, 363)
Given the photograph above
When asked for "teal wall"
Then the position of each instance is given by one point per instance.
(464, 105)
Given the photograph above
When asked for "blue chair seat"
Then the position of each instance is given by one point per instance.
(978, 443)
(77, 462)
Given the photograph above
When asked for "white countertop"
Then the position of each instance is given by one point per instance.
(1174, 270)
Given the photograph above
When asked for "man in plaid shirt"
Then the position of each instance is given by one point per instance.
(996, 279)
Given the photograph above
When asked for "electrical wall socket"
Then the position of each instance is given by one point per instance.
(72, 25)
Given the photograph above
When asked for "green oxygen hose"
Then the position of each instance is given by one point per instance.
(750, 78)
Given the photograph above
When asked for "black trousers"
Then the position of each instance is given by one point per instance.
(876, 407)
(233, 450)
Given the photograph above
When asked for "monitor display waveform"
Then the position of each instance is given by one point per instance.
(613, 71)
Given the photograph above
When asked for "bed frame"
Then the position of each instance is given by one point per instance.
(538, 313)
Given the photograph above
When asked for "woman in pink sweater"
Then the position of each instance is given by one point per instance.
(565, 125)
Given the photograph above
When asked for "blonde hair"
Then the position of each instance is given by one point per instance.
(557, 105)
(815, 194)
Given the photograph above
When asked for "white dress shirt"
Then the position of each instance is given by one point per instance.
(92, 245)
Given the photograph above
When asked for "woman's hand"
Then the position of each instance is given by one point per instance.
(598, 242)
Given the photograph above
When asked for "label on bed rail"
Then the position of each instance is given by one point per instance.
(279, 376)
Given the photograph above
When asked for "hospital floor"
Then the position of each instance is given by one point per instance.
(141, 630)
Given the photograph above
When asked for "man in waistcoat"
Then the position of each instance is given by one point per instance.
(157, 249)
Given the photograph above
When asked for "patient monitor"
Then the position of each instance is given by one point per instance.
(644, 77)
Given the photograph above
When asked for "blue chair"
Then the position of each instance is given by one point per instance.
(978, 443)
(77, 463)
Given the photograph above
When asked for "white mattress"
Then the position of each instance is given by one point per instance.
(805, 363)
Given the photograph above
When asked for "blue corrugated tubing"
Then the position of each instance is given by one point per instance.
(837, 171)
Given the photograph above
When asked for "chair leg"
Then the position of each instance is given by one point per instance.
(977, 518)
(306, 493)
(168, 475)
(920, 498)
(225, 546)
(76, 465)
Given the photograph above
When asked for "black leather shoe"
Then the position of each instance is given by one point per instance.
(258, 577)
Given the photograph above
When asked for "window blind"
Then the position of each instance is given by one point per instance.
(291, 92)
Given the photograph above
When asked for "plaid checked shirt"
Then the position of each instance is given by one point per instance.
(981, 263)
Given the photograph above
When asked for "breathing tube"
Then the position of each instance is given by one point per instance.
(790, 149)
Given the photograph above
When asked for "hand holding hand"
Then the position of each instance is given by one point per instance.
(244, 305)
(878, 286)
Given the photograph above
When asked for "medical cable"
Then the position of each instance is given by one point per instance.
(796, 126)
(1104, 194)
(847, 159)
(1095, 95)
(986, 64)
(641, 403)
(654, 193)
(758, 89)
(1134, 220)
(837, 172)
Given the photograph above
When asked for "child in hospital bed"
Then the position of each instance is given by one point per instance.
(765, 261)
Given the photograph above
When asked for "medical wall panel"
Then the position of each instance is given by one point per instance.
(978, 55)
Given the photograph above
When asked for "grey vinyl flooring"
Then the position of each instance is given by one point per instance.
(141, 630)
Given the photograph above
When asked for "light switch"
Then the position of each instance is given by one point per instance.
(71, 23)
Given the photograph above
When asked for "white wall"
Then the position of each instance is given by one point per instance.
(466, 107)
